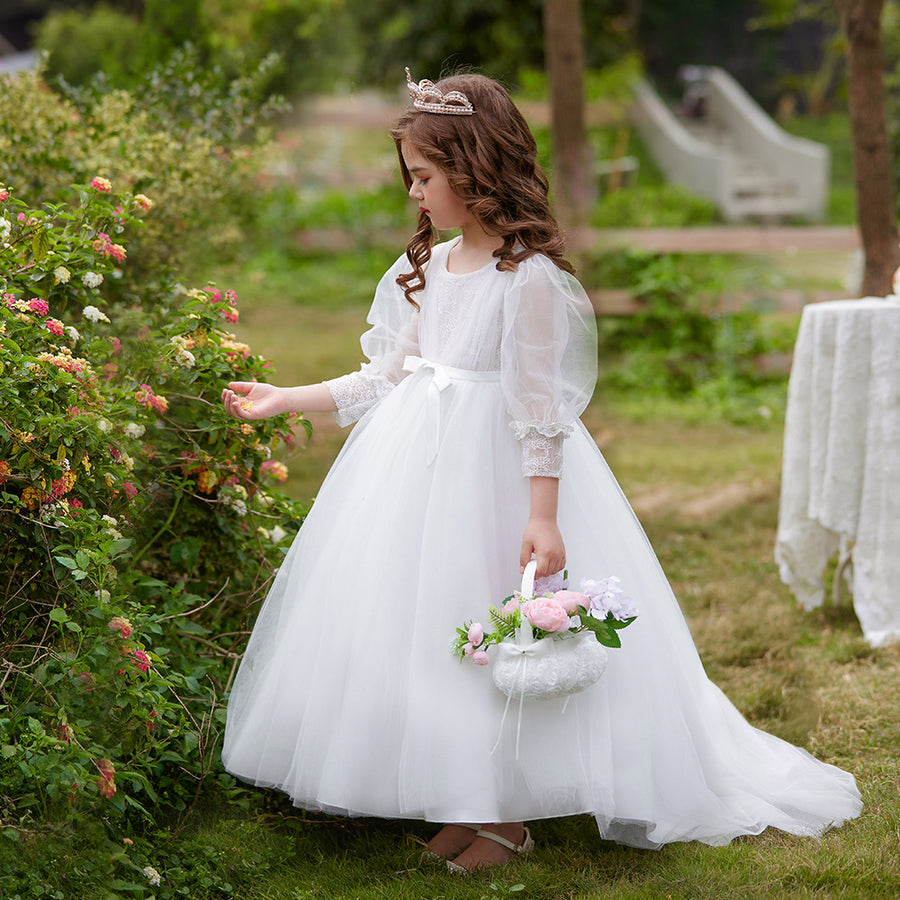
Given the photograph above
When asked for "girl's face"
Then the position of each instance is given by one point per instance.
(432, 191)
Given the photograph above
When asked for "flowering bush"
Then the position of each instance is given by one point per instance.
(600, 607)
(137, 527)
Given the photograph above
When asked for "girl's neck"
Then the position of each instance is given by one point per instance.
(474, 249)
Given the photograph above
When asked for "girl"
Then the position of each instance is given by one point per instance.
(467, 460)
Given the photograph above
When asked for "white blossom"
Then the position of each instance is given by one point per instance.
(277, 534)
(72, 333)
(133, 430)
(104, 425)
(92, 314)
(92, 279)
(185, 358)
(62, 274)
(152, 875)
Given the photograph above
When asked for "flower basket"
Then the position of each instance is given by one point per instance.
(552, 644)
(549, 667)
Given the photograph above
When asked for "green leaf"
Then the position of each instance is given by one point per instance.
(40, 244)
(58, 614)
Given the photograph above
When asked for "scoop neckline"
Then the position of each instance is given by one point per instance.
(491, 262)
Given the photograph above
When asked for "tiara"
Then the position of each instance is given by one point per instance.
(427, 97)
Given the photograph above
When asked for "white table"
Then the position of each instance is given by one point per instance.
(840, 489)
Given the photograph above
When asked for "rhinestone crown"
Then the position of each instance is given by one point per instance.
(427, 97)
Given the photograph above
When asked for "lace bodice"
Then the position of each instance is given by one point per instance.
(534, 326)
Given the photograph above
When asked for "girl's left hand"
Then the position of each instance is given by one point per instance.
(543, 538)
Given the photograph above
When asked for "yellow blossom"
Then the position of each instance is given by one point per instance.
(31, 497)
(207, 480)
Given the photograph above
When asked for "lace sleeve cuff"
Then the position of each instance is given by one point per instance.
(542, 447)
(355, 394)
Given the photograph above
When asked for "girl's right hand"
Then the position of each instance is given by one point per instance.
(252, 400)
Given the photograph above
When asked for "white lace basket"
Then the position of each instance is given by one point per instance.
(553, 666)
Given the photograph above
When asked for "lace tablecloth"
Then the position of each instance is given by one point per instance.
(840, 491)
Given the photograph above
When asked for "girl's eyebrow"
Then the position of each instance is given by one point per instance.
(417, 169)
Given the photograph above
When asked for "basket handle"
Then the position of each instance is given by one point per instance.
(524, 636)
(528, 579)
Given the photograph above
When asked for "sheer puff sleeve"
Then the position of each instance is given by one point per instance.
(548, 360)
(393, 336)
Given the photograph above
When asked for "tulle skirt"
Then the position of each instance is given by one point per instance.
(349, 700)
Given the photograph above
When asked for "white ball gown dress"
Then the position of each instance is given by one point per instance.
(348, 698)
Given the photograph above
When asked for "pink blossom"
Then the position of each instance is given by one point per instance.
(123, 626)
(468, 649)
(476, 633)
(9, 300)
(231, 314)
(21, 217)
(146, 396)
(106, 782)
(38, 306)
(480, 658)
(571, 600)
(130, 490)
(54, 326)
(511, 605)
(98, 183)
(116, 345)
(231, 297)
(4, 194)
(274, 469)
(545, 613)
(142, 661)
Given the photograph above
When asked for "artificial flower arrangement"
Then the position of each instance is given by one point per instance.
(551, 640)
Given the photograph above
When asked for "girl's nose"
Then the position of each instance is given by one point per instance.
(415, 192)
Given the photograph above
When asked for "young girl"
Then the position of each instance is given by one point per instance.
(467, 459)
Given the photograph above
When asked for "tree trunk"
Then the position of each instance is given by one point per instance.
(564, 53)
(875, 206)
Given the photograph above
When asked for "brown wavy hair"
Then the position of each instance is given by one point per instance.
(490, 162)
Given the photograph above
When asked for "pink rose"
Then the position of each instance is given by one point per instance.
(476, 634)
(545, 613)
(571, 600)
(480, 658)
(468, 649)
(511, 605)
